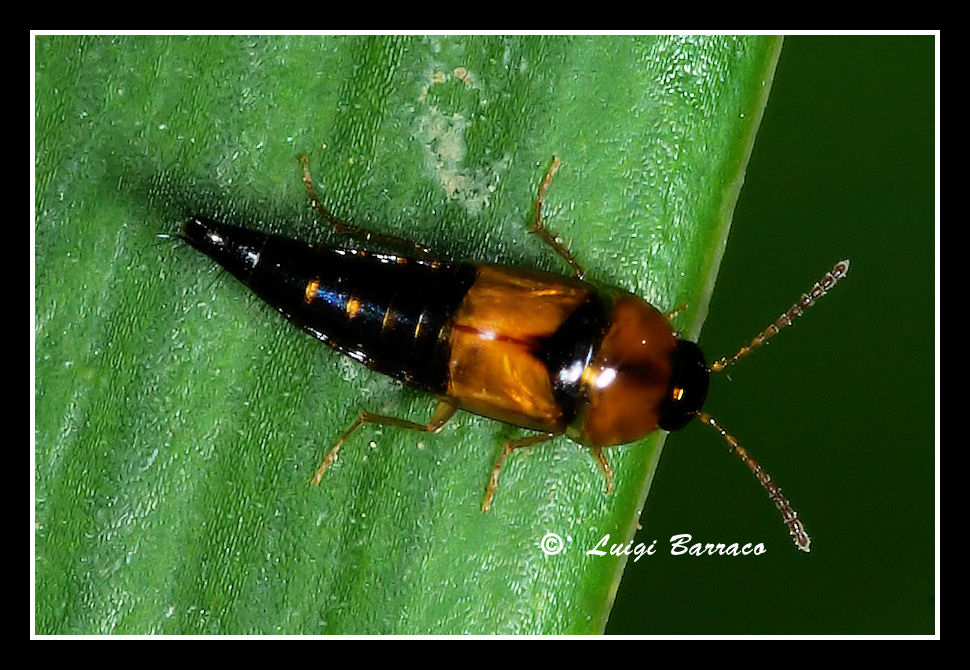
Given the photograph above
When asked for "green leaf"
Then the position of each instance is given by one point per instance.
(178, 420)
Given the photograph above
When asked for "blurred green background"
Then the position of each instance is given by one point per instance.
(840, 408)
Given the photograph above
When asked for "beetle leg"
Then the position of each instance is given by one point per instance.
(442, 413)
(539, 226)
(607, 470)
(677, 311)
(507, 449)
(362, 234)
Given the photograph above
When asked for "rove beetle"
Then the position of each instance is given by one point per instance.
(545, 352)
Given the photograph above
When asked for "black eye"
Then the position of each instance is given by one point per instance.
(689, 380)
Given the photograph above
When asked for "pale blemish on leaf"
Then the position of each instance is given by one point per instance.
(442, 138)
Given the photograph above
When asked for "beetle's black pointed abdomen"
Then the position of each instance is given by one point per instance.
(235, 249)
(384, 310)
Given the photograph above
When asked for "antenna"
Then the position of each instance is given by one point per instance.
(795, 527)
(807, 300)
